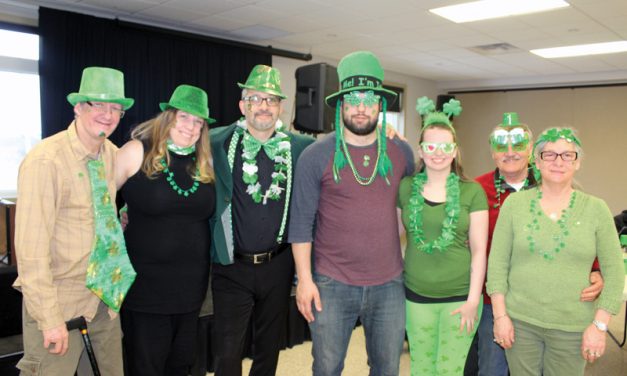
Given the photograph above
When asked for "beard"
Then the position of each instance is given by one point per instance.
(367, 129)
(259, 124)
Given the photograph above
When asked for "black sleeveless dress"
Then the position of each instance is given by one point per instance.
(168, 240)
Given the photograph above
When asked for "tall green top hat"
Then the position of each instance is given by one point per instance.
(100, 84)
(265, 79)
(190, 99)
(360, 71)
(510, 119)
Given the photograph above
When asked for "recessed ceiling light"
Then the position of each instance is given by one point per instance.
(582, 50)
(486, 9)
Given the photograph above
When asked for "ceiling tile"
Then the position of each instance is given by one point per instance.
(204, 6)
(252, 14)
(213, 23)
(172, 14)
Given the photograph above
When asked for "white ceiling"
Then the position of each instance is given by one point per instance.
(407, 38)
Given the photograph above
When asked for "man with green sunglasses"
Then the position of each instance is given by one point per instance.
(511, 144)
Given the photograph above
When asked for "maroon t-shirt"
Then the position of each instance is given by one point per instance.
(354, 228)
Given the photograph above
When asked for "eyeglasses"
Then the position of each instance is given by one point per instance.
(567, 156)
(501, 139)
(103, 108)
(368, 98)
(432, 147)
(257, 100)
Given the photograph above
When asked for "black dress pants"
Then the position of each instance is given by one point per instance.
(159, 344)
(243, 292)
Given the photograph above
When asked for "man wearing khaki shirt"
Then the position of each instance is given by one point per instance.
(55, 233)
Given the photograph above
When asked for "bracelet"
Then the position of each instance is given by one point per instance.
(500, 317)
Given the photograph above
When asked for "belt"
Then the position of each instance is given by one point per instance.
(262, 257)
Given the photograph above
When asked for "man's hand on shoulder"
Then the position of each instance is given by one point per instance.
(391, 133)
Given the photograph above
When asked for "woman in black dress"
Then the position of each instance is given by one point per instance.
(167, 181)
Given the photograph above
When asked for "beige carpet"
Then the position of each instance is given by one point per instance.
(297, 361)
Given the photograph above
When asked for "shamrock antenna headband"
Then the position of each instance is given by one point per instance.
(426, 109)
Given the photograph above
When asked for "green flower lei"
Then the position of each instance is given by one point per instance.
(281, 155)
(286, 154)
(451, 208)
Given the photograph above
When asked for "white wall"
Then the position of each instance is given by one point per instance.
(414, 87)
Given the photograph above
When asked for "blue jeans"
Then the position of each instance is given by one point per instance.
(492, 361)
(381, 310)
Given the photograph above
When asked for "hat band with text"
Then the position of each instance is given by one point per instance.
(361, 82)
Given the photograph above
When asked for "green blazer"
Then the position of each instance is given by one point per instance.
(220, 222)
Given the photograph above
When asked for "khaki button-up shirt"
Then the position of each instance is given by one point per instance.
(54, 228)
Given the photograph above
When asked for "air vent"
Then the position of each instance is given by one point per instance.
(495, 49)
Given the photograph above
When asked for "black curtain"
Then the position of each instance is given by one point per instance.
(153, 62)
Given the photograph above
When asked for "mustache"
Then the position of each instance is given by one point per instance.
(267, 113)
(511, 158)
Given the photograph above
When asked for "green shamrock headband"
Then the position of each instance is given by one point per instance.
(426, 109)
(554, 134)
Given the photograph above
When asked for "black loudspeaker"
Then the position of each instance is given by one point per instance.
(441, 100)
(314, 83)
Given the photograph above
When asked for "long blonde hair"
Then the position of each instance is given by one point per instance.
(456, 165)
(154, 133)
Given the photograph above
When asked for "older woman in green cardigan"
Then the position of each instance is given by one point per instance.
(544, 242)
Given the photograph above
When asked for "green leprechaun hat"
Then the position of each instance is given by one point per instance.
(100, 84)
(510, 119)
(190, 99)
(360, 71)
(265, 79)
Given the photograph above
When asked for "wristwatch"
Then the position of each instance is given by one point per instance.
(600, 325)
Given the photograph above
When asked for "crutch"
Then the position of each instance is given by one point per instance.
(80, 324)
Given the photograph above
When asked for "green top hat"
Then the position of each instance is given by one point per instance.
(265, 79)
(190, 99)
(100, 84)
(360, 71)
(510, 119)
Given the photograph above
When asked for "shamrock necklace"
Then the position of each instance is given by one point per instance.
(170, 175)
(451, 209)
(498, 187)
(559, 240)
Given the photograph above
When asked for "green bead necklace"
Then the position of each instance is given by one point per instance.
(558, 240)
(358, 178)
(170, 178)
